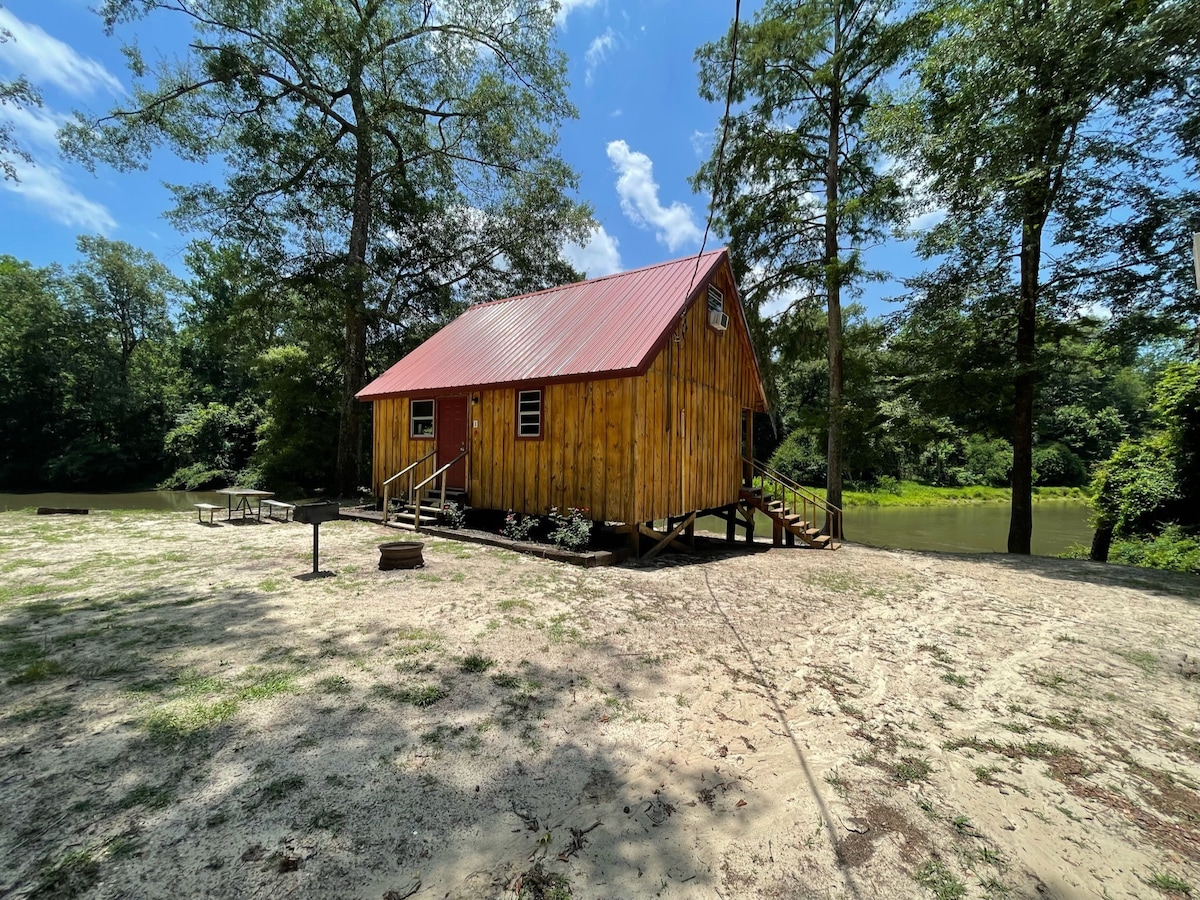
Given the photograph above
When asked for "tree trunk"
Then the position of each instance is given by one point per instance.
(1020, 527)
(1101, 542)
(354, 362)
(833, 299)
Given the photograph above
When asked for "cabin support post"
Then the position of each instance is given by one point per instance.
(668, 539)
(730, 529)
(689, 530)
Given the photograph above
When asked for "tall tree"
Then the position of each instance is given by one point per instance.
(17, 93)
(1047, 132)
(801, 187)
(392, 157)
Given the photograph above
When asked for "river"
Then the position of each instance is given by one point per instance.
(961, 528)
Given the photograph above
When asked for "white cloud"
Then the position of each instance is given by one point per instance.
(45, 185)
(597, 52)
(674, 225)
(566, 7)
(702, 143)
(615, 114)
(599, 256)
(47, 60)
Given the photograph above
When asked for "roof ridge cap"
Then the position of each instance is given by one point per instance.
(571, 284)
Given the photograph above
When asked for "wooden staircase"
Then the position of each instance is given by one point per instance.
(422, 503)
(792, 509)
(405, 512)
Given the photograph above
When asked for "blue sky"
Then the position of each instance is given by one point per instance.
(642, 132)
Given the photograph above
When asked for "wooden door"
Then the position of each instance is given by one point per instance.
(452, 438)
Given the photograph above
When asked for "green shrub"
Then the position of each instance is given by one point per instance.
(988, 461)
(801, 458)
(518, 528)
(572, 531)
(453, 516)
(1055, 464)
(1173, 550)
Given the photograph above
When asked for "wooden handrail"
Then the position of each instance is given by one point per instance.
(407, 470)
(807, 498)
(417, 505)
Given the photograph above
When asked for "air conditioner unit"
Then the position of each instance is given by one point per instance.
(718, 319)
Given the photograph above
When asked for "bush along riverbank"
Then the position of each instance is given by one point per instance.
(891, 492)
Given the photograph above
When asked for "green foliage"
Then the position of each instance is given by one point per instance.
(89, 377)
(211, 444)
(1055, 464)
(453, 516)
(1173, 549)
(801, 458)
(518, 528)
(391, 161)
(572, 531)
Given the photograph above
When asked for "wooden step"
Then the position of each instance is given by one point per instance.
(820, 540)
(794, 522)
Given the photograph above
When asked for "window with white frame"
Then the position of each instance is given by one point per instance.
(420, 419)
(529, 414)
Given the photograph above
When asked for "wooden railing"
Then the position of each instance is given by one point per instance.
(800, 499)
(407, 470)
(442, 503)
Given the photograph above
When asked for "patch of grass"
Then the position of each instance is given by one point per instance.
(955, 679)
(1051, 679)
(39, 670)
(258, 684)
(937, 652)
(934, 875)
(277, 790)
(1143, 659)
(152, 796)
(1169, 883)
(1016, 727)
(71, 876)
(325, 818)
(476, 664)
(41, 712)
(270, 585)
(1068, 639)
(911, 768)
(839, 783)
(333, 684)
(983, 774)
(505, 680)
(506, 605)
(994, 887)
(172, 727)
(425, 695)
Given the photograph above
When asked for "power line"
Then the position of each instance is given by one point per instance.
(737, 14)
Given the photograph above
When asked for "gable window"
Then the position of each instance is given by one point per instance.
(716, 299)
(529, 414)
(420, 419)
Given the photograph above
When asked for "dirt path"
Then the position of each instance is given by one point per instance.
(183, 716)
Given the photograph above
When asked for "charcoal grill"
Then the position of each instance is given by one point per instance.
(314, 514)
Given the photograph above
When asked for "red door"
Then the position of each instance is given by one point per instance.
(452, 438)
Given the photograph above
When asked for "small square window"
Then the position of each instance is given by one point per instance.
(529, 414)
(421, 419)
(716, 299)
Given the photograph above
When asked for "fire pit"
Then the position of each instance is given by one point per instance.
(401, 555)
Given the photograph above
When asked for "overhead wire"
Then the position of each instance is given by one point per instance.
(733, 42)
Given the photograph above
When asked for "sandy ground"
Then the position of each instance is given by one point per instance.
(183, 716)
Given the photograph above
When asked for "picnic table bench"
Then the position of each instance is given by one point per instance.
(274, 506)
(202, 508)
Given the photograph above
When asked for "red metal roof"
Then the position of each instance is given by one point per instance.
(605, 327)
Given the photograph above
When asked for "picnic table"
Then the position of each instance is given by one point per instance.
(248, 500)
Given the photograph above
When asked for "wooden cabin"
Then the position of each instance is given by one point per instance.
(630, 396)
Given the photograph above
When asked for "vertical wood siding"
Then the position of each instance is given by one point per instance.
(627, 449)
